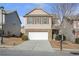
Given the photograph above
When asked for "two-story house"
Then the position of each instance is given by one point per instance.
(76, 28)
(38, 25)
(70, 27)
(66, 29)
(75, 23)
(11, 22)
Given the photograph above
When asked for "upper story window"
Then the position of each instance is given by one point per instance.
(37, 20)
(30, 20)
(45, 20)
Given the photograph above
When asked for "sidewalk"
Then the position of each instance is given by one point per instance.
(67, 50)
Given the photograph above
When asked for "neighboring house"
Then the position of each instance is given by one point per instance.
(66, 29)
(40, 25)
(12, 25)
(70, 27)
(75, 23)
(22, 29)
(76, 28)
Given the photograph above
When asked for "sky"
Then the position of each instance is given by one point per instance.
(23, 8)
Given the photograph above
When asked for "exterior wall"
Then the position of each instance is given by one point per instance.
(12, 25)
(1, 19)
(77, 34)
(41, 30)
(67, 30)
(22, 30)
(38, 11)
(76, 24)
(55, 23)
(38, 26)
(76, 28)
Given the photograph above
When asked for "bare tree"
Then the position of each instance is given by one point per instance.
(63, 10)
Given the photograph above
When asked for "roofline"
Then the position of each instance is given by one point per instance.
(38, 15)
(18, 17)
(9, 12)
(35, 9)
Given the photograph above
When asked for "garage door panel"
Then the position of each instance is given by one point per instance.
(38, 35)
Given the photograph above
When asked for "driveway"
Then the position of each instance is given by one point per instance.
(35, 45)
(32, 48)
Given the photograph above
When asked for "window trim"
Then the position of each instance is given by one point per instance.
(38, 20)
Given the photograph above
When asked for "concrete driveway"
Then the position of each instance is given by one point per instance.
(35, 45)
(32, 48)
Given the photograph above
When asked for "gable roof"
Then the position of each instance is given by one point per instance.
(31, 13)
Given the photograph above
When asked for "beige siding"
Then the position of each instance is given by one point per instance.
(38, 11)
(38, 26)
(76, 24)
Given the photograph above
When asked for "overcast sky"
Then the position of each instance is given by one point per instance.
(23, 8)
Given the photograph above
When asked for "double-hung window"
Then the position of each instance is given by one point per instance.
(37, 20)
(30, 20)
(45, 20)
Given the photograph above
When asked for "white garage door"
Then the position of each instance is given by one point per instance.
(38, 35)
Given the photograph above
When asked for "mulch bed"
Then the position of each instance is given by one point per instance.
(11, 41)
(66, 44)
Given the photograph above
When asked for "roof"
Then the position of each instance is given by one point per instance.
(28, 14)
(47, 14)
(9, 11)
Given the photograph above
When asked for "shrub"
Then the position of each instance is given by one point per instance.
(21, 34)
(77, 40)
(13, 35)
(24, 37)
(59, 37)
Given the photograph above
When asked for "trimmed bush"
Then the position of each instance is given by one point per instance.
(25, 37)
(59, 37)
(77, 40)
(13, 35)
